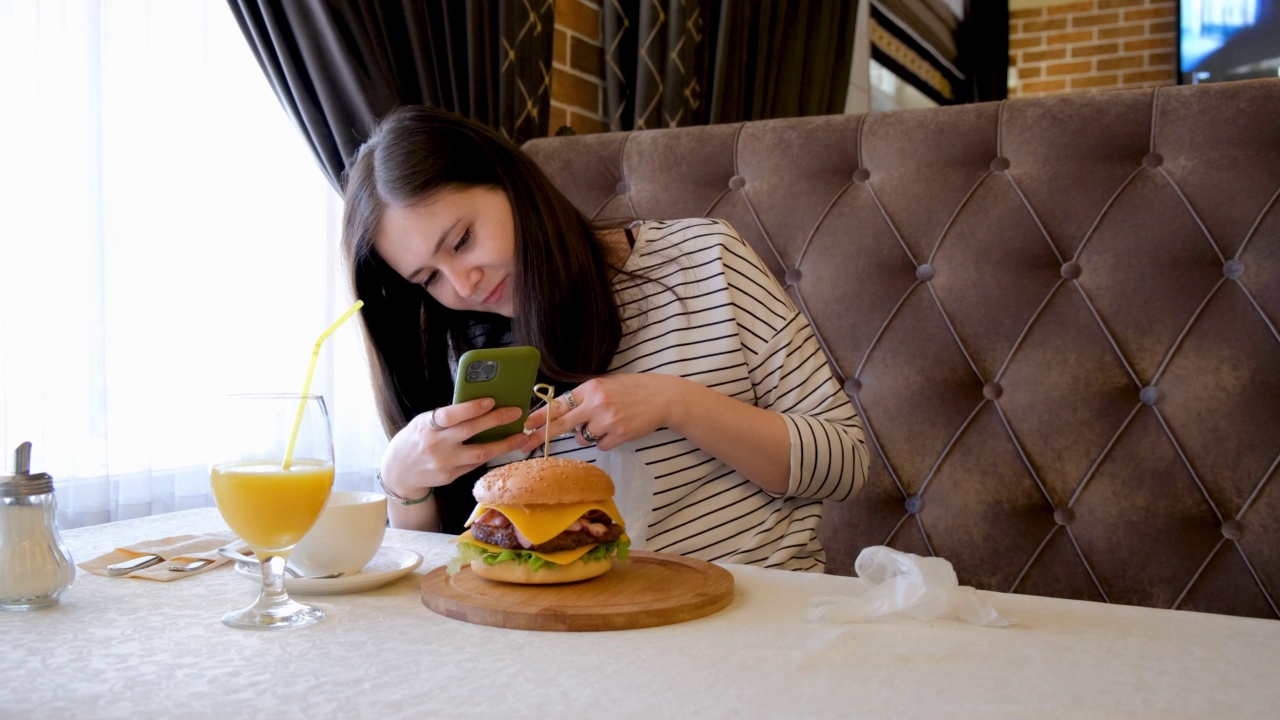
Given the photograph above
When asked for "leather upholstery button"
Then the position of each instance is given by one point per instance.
(1071, 270)
(1233, 269)
(914, 504)
(1000, 164)
(1064, 516)
(852, 386)
(992, 391)
(737, 182)
(1153, 160)
(792, 276)
(623, 188)
(1150, 395)
(861, 175)
(1232, 530)
(924, 273)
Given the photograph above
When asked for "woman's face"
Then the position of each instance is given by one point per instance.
(460, 245)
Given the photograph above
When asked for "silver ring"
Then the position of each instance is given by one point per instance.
(586, 434)
(431, 420)
(569, 399)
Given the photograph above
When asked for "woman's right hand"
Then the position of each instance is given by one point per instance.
(420, 457)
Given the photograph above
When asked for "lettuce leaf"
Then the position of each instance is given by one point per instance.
(468, 552)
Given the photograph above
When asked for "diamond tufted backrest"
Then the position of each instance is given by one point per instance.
(1057, 316)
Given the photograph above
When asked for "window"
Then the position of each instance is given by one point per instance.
(167, 238)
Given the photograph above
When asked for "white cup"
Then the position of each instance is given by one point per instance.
(346, 537)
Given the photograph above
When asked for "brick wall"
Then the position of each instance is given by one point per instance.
(1093, 46)
(577, 68)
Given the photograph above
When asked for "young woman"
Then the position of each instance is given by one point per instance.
(669, 336)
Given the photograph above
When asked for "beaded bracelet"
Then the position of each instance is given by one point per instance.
(404, 501)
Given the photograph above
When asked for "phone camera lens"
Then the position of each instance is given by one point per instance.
(475, 366)
(473, 377)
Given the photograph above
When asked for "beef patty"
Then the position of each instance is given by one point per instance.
(569, 539)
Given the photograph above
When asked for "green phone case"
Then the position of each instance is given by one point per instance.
(505, 374)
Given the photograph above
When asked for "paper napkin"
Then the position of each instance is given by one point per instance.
(176, 550)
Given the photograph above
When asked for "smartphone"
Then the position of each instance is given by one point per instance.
(505, 374)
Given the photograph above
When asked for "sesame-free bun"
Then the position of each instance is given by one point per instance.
(519, 573)
(544, 481)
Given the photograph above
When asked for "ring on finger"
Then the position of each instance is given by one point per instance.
(431, 420)
(568, 397)
(586, 434)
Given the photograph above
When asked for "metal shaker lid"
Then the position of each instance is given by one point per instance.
(22, 482)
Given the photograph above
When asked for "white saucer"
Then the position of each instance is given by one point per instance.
(390, 563)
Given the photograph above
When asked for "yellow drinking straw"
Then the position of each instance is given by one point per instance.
(311, 369)
(548, 393)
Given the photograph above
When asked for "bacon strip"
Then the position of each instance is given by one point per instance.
(493, 518)
(520, 538)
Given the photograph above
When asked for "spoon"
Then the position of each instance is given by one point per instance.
(294, 573)
(241, 557)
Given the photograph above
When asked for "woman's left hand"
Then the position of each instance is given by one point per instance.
(613, 409)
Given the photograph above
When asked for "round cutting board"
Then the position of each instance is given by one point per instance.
(647, 590)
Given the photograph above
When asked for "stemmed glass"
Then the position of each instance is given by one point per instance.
(271, 487)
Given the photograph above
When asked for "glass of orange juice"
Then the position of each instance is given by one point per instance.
(270, 486)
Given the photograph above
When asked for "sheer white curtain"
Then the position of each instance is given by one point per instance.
(165, 238)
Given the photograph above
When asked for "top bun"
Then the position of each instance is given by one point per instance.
(543, 481)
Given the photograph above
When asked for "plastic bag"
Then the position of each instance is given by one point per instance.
(891, 582)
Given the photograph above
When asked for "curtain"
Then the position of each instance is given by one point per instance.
(983, 55)
(338, 66)
(692, 62)
(166, 240)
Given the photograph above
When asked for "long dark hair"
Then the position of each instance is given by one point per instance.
(563, 300)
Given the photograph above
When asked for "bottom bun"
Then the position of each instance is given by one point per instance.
(514, 572)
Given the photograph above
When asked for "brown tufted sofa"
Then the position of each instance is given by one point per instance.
(1057, 316)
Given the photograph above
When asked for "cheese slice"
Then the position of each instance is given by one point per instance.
(560, 557)
(540, 523)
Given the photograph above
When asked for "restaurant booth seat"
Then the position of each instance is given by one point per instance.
(1057, 317)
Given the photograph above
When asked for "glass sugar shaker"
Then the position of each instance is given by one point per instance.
(35, 567)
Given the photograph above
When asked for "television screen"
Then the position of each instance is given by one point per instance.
(1228, 40)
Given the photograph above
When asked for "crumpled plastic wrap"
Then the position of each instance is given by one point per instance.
(894, 583)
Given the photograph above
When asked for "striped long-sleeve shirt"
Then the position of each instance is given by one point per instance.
(705, 308)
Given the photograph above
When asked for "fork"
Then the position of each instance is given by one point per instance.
(191, 566)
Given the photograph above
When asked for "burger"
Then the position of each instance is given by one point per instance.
(542, 521)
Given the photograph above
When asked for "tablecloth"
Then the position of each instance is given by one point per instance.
(116, 648)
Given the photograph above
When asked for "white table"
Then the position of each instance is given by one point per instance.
(119, 648)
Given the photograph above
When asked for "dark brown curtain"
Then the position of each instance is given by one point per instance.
(983, 40)
(338, 66)
(694, 62)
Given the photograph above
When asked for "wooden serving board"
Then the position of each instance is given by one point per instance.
(647, 590)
